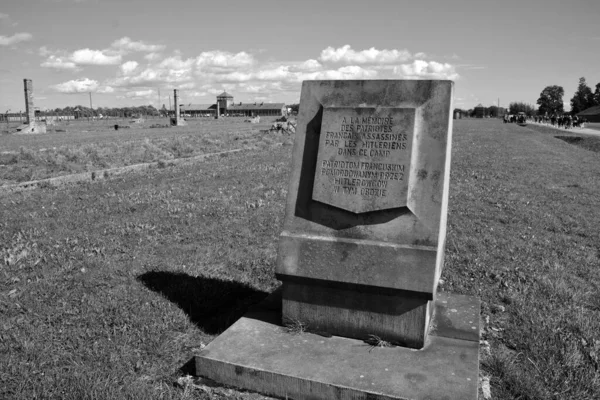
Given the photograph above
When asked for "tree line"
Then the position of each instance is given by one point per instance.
(551, 99)
(124, 112)
(491, 111)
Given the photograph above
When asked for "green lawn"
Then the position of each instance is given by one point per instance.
(90, 146)
(108, 288)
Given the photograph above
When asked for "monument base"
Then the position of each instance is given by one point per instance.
(257, 353)
(31, 128)
(395, 316)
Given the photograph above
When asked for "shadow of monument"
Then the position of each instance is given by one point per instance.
(212, 304)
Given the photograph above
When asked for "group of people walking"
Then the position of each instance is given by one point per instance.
(518, 118)
(566, 121)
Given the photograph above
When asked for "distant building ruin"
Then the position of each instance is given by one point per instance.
(177, 121)
(30, 125)
(225, 106)
(592, 114)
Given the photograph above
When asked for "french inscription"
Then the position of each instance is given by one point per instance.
(364, 158)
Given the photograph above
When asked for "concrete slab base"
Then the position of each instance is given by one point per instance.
(257, 353)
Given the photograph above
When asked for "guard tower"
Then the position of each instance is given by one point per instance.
(224, 101)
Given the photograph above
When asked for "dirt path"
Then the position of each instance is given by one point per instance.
(585, 131)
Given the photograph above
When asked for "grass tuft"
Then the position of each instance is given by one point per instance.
(294, 326)
(376, 341)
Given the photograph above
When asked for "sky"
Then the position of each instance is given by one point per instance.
(134, 52)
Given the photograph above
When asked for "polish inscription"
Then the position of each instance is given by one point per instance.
(364, 158)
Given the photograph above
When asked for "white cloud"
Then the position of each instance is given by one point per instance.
(93, 57)
(420, 69)
(186, 86)
(152, 56)
(276, 74)
(218, 60)
(126, 45)
(128, 67)
(308, 65)
(77, 86)
(140, 94)
(3, 16)
(14, 39)
(347, 72)
(177, 63)
(347, 55)
(106, 89)
(231, 77)
(56, 62)
(171, 70)
(211, 72)
(282, 78)
(44, 51)
(259, 87)
(60, 59)
(196, 94)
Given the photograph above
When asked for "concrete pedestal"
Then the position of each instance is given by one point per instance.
(258, 354)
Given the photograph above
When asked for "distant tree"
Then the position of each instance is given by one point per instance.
(596, 96)
(551, 100)
(583, 97)
(519, 106)
(294, 107)
(495, 111)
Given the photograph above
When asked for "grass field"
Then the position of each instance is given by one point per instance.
(108, 288)
(89, 146)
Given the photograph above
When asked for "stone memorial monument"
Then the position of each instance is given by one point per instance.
(360, 256)
(31, 125)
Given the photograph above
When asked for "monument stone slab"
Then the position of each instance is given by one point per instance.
(363, 239)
